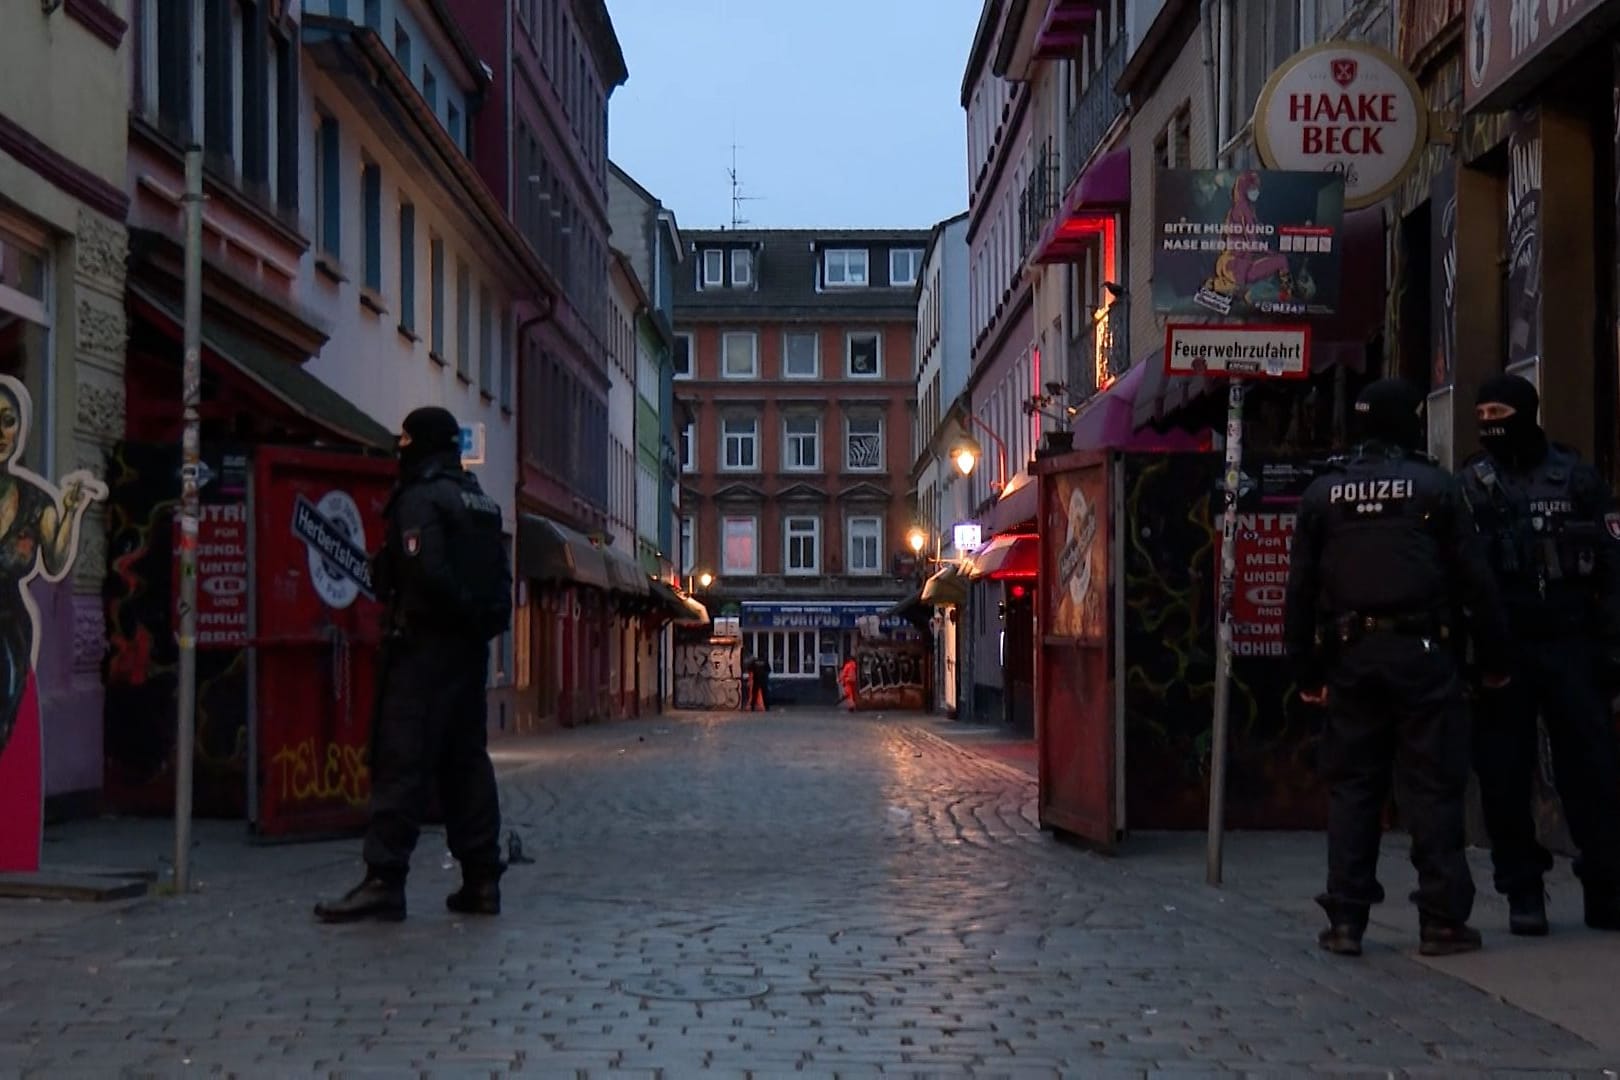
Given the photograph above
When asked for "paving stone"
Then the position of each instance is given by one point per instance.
(892, 892)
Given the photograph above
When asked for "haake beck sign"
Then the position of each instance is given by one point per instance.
(1347, 108)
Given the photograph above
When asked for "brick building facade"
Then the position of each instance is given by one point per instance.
(795, 356)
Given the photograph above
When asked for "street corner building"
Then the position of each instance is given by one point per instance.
(794, 356)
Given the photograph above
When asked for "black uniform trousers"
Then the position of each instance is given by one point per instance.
(1396, 707)
(429, 729)
(1559, 678)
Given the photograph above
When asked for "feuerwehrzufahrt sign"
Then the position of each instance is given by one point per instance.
(1250, 352)
(1347, 108)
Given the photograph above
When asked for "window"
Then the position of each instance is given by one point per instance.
(742, 267)
(328, 187)
(402, 49)
(220, 87)
(865, 545)
(374, 14)
(463, 321)
(802, 449)
(864, 444)
(508, 348)
(740, 443)
(407, 267)
(688, 544)
(863, 356)
(741, 355)
(681, 358)
(25, 315)
(371, 205)
(454, 123)
(714, 268)
(172, 42)
(689, 448)
(488, 335)
(436, 269)
(430, 89)
(903, 266)
(791, 653)
(740, 553)
(845, 267)
(799, 356)
(802, 536)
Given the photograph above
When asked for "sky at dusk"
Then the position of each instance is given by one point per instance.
(845, 112)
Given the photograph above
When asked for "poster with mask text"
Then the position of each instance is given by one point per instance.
(39, 541)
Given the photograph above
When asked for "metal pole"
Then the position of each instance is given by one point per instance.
(191, 388)
(1223, 635)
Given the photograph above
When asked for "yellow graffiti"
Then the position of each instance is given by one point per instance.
(304, 778)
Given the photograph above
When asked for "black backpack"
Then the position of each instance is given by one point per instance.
(483, 566)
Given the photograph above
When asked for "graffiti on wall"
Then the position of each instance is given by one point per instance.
(1524, 237)
(1169, 564)
(708, 675)
(39, 539)
(142, 669)
(891, 676)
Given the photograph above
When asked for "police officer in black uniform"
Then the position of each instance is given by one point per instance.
(445, 577)
(1553, 539)
(1383, 557)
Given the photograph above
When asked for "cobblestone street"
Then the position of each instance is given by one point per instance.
(792, 894)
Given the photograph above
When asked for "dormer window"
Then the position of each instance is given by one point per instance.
(845, 268)
(714, 268)
(742, 268)
(904, 264)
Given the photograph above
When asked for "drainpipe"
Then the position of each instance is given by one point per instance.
(1206, 23)
(1224, 74)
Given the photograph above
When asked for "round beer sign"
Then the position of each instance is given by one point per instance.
(1347, 108)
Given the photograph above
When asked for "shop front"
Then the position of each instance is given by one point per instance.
(564, 627)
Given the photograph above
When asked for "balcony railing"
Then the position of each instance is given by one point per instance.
(1093, 114)
(1101, 354)
(1038, 203)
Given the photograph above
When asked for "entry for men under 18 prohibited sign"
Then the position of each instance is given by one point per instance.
(1249, 352)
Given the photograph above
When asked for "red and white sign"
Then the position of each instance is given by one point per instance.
(222, 577)
(1263, 544)
(1246, 352)
(1347, 108)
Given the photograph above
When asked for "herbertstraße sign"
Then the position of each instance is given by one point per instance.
(1345, 108)
(1244, 242)
(1253, 352)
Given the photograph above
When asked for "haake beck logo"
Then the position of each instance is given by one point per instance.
(1344, 72)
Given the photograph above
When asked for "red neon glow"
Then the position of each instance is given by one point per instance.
(1018, 592)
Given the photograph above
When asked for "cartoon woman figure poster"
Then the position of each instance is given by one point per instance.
(39, 538)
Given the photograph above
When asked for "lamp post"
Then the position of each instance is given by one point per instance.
(966, 453)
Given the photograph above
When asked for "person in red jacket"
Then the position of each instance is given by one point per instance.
(846, 679)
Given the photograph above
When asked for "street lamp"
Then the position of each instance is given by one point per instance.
(705, 579)
(967, 452)
(916, 538)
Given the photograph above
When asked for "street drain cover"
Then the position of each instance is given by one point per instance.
(699, 988)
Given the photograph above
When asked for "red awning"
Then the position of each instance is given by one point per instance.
(1015, 556)
(1016, 505)
(1096, 194)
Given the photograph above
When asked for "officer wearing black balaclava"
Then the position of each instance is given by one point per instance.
(1384, 557)
(445, 577)
(1552, 535)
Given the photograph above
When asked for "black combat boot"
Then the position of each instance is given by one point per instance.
(1603, 907)
(1343, 934)
(1448, 938)
(379, 896)
(480, 894)
(1527, 912)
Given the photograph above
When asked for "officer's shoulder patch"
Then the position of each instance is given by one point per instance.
(1611, 522)
(413, 541)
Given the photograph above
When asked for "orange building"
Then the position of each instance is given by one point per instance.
(794, 356)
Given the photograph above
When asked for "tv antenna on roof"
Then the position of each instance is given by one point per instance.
(737, 196)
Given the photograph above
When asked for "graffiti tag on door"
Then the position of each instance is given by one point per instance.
(709, 676)
(304, 777)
